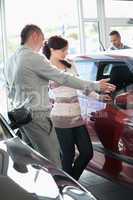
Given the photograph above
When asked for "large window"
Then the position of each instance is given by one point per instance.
(89, 8)
(120, 9)
(1, 56)
(89, 29)
(0, 47)
(119, 16)
(54, 17)
(91, 37)
(126, 34)
(3, 106)
(80, 21)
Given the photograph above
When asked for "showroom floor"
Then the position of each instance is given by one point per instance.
(104, 189)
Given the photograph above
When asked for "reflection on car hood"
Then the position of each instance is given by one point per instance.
(32, 174)
(32, 178)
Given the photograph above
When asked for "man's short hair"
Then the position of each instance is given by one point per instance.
(115, 33)
(27, 31)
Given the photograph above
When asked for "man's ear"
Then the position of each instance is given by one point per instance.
(34, 35)
(51, 49)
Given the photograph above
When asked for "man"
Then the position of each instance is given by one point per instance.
(27, 76)
(115, 40)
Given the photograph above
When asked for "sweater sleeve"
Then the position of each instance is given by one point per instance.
(44, 69)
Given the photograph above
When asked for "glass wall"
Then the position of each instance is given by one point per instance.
(3, 99)
(119, 16)
(86, 30)
(91, 37)
(54, 17)
(89, 9)
(1, 55)
(126, 34)
(118, 9)
(88, 18)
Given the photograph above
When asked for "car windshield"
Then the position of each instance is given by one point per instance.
(87, 70)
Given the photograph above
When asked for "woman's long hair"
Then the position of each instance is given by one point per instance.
(55, 42)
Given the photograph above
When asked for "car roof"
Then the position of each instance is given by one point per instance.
(114, 55)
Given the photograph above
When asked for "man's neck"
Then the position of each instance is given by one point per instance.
(30, 45)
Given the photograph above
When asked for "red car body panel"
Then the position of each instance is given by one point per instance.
(110, 124)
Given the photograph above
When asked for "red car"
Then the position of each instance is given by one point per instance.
(110, 124)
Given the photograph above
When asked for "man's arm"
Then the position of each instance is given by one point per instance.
(45, 70)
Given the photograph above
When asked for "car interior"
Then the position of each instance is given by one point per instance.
(119, 74)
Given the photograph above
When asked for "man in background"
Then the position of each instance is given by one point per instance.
(115, 39)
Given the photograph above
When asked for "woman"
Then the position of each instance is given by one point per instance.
(66, 114)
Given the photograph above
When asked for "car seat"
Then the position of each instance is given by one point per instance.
(121, 76)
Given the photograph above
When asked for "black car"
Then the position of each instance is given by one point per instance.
(27, 175)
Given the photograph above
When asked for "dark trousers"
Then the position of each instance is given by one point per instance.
(68, 138)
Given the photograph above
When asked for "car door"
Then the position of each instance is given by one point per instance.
(100, 117)
(87, 70)
(109, 123)
(124, 104)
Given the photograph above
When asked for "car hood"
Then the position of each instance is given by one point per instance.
(19, 164)
(33, 175)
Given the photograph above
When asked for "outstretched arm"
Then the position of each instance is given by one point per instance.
(44, 69)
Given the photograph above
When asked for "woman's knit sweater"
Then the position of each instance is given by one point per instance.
(66, 111)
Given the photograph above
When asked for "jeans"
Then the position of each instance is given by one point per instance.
(68, 138)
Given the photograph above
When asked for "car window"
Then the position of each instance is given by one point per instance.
(107, 69)
(104, 69)
(87, 70)
(121, 76)
(118, 72)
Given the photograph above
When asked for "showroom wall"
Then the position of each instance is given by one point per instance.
(85, 23)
